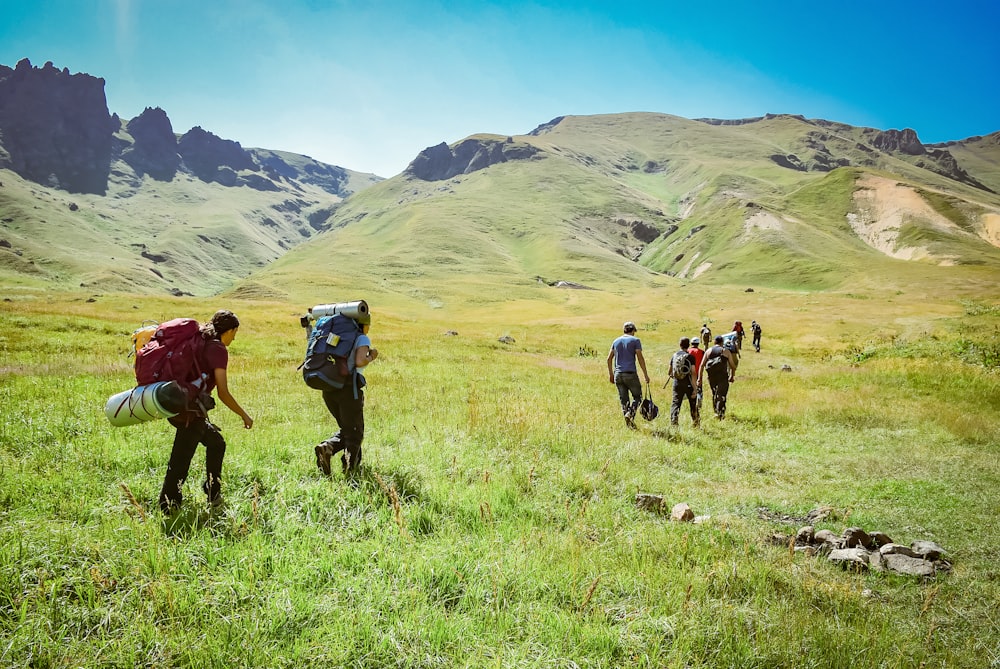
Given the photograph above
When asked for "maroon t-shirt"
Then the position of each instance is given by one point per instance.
(214, 356)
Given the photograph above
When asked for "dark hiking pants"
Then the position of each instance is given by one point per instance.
(186, 440)
(350, 416)
(719, 382)
(683, 390)
(628, 382)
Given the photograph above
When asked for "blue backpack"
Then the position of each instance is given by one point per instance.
(331, 342)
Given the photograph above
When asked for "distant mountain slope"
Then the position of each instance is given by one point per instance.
(89, 200)
(619, 200)
(612, 202)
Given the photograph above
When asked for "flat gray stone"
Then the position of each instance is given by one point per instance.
(911, 566)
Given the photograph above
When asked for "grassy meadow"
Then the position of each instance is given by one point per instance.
(494, 521)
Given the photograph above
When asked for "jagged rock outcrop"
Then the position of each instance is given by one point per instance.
(276, 165)
(154, 151)
(55, 127)
(899, 141)
(440, 162)
(208, 156)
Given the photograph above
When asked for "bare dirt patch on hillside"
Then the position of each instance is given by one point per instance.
(762, 220)
(883, 207)
(991, 229)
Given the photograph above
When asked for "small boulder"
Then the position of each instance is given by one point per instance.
(825, 537)
(506, 339)
(928, 550)
(896, 549)
(854, 558)
(881, 539)
(682, 512)
(805, 535)
(819, 513)
(855, 536)
(649, 502)
(910, 566)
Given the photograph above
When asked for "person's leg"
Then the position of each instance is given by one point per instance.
(622, 388)
(713, 382)
(185, 443)
(215, 453)
(327, 448)
(723, 392)
(352, 428)
(693, 405)
(635, 387)
(675, 403)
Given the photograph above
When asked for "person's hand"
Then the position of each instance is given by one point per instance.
(247, 421)
(372, 353)
(611, 377)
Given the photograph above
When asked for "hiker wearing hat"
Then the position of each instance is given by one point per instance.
(682, 370)
(625, 352)
(755, 329)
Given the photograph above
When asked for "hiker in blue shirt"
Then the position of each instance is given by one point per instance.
(625, 352)
(347, 406)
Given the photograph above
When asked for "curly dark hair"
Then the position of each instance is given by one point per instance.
(222, 321)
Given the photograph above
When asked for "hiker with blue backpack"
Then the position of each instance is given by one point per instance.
(208, 372)
(338, 350)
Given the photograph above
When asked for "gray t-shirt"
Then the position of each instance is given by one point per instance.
(625, 348)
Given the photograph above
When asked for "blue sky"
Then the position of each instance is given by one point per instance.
(368, 84)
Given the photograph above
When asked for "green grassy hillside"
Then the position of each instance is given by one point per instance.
(612, 202)
(725, 204)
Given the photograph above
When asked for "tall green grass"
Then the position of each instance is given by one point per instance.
(494, 523)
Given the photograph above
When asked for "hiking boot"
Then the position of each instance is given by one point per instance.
(630, 421)
(323, 458)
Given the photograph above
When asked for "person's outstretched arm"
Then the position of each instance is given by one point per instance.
(226, 397)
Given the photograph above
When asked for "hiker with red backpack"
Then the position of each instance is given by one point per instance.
(209, 358)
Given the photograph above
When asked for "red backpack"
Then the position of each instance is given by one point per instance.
(172, 355)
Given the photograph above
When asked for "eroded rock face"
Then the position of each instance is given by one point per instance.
(207, 155)
(902, 141)
(440, 162)
(155, 149)
(56, 128)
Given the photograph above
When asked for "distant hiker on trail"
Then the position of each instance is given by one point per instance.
(721, 372)
(682, 370)
(706, 333)
(193, 426)
(738, 329)
(347, 404)
(755, 329)
(699, 356)
(622, 372)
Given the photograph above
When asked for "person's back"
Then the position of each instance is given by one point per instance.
(625, 352)
(625, 347)
(721, 372)
(698, 354)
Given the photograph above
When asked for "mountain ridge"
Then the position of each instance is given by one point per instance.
(602, 201)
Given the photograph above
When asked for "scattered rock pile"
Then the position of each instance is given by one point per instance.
(859, 550)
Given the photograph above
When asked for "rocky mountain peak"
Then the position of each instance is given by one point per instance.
(55, 127)
(440, 162)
